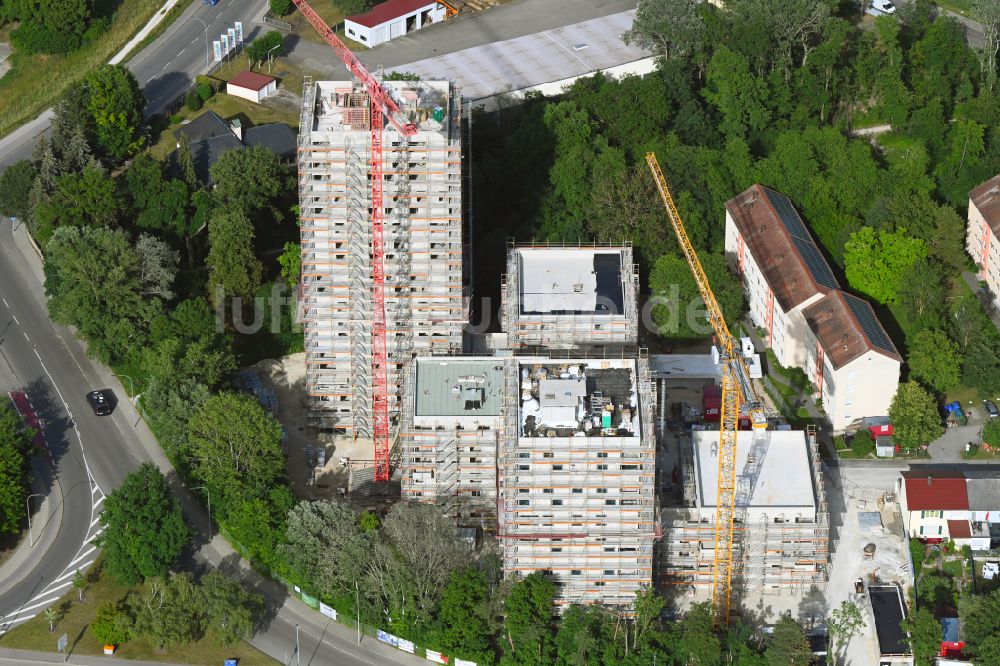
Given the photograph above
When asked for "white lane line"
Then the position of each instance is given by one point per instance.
(45, 600)
(182, 51)
(92, 549)
(98, 502)
(15, 318)
(4, 302)
(164, 67)
(94, 521)
(193, 40)
(26, 336)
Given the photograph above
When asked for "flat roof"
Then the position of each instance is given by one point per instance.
(889, 611)
(783, 480)
(458, 387)
(584, 281)
(684, 366)
(530, 60)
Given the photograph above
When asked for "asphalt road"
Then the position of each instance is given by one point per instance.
(165, 69)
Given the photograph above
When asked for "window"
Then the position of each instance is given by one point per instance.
(932, 514)
(609, 572)
(610, 502)
(602, 491)
(603, 454)
(628, 467)
(576, 572)
(557, 502)
(557, 468)
(578, 491)
(547, 490)
(524, 502)
(602, 467)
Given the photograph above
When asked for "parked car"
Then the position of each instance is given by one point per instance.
(882, 7)
(991, 409)
(100, 402)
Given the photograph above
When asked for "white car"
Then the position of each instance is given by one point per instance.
(883, 7)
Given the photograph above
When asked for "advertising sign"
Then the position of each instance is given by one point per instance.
(217, 50)
(225, 43)
(231, 33)
(239, 32)
(406, 646)
(436, 657)
(326, 610)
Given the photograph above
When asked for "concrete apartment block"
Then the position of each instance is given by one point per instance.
(982, 239)
(425, 304)
(565, 297)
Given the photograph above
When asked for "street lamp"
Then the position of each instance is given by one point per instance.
(208, 54)
(27, 503)
(276, 46)
(298, 658)
(209, 494)
(131, 400)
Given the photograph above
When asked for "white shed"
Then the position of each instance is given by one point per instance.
(251, 85)
(392, 19)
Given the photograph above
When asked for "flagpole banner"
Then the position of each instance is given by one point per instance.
(239, 32)
(217, 49)
(225, 43)
(232, 38)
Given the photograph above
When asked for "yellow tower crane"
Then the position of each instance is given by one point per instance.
(738, 396)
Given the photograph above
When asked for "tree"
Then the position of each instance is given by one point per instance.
(270, 45)
(936, 591)
(15, 187)
(914, 416)
(924, 631)
(788, 645)
(876, 262)
(680, 310)
(116, 104)
(157, 266)
(527, 622)
(280, 7)
(80, 583)
(236, 446)
(844, 623)
(15, 476)
(671, 28)
(349, 7)
(862, 443)
(250, 180)
(464, 616)
(85, 198)
(739, 96)
(291, 263)
(933, 359)
(980, 615)
(170, 611)
(695, 638)
(234, 270)
(987, 12)
(111, 624)
(920, 295)
(230, 610)
(325, 546)
(144, 531)
(51, 616)
(92, 280)
(160, 204)
(55, 26)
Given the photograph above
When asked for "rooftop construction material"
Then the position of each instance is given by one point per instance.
(567, 296)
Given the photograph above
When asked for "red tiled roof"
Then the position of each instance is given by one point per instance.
(833, 321)
(387, 11)
(986, 198)
(251, 80)
(959, 529)
(935, 490)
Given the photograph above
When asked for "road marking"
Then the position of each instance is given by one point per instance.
(92, 549)
(182, 51)
(98, 502)
(15, 318)
(193, 40)
(26, 336)
(164, 67)
(5, 302)
(44, 596)
(326, 642)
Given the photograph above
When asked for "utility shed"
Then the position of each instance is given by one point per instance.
(253, 86)
(889, 611)
(392, 19)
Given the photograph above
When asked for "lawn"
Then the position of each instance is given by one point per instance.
(74, 618)
(283, 108)
(23, 97)
(330, 13)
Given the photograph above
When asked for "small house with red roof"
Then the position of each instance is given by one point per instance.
(391, 19)
(253, 86)
(949, 505)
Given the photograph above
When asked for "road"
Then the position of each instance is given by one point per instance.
(164, 69)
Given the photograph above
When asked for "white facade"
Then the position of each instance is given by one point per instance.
(250, 93)
(373, 33)
(981, 240)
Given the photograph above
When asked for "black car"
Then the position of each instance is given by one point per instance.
(991, 409)
(99, 402)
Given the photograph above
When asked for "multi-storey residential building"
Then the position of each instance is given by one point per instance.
(982, 239)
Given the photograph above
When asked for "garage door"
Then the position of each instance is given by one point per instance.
(396, 29)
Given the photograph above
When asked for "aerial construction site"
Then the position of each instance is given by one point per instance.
(552, 443)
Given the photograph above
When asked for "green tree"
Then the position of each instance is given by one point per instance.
(85, 198)
(234, 270)
(157, 266)
(844, 623)
(235, 446)
(987, 12)
(681, 314)
(671, 28)
(914, 416)
(695, 639)
(116, 104)
(980, 615)
(280, 7)
(527, 622)
(230, 611)
(250, 180)
(170, 611)
(933, 359)
(291, 263)
(111, 624)
(15, 186)
(739, 96)
(15, 476)
(258, 524)
(54, 26)
(862, 443)
(160, 204)
(325, 546)
(924, 631)
(92, 280)
(464, 616)
(877, 262)
(144, 531)
(788, 645)
(920, 295)
(80, 584)
(260, 49)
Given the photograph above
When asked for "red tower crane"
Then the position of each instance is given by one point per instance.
(382, 106)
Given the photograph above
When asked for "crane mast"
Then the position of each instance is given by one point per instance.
(738, 395)
(382, 106)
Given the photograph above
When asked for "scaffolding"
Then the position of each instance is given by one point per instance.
(425, 304)
(614, 321)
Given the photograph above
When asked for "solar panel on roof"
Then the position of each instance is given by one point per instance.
(869, 324)
(802, 238)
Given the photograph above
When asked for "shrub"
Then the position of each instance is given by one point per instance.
(205, 91)
(192, 101)
(966, 551)
(917, 554)
(280, 7)
(111, 625)
(176, 119)
(96, 29)
(862, 444)
(32, 37)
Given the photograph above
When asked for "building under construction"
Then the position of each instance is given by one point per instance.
(782, 523)
(425, 303)
(556, 454)
(569, 296)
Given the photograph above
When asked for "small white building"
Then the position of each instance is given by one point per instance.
(391, 19)
(982, 240)
(251, 85)
(807, 321)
